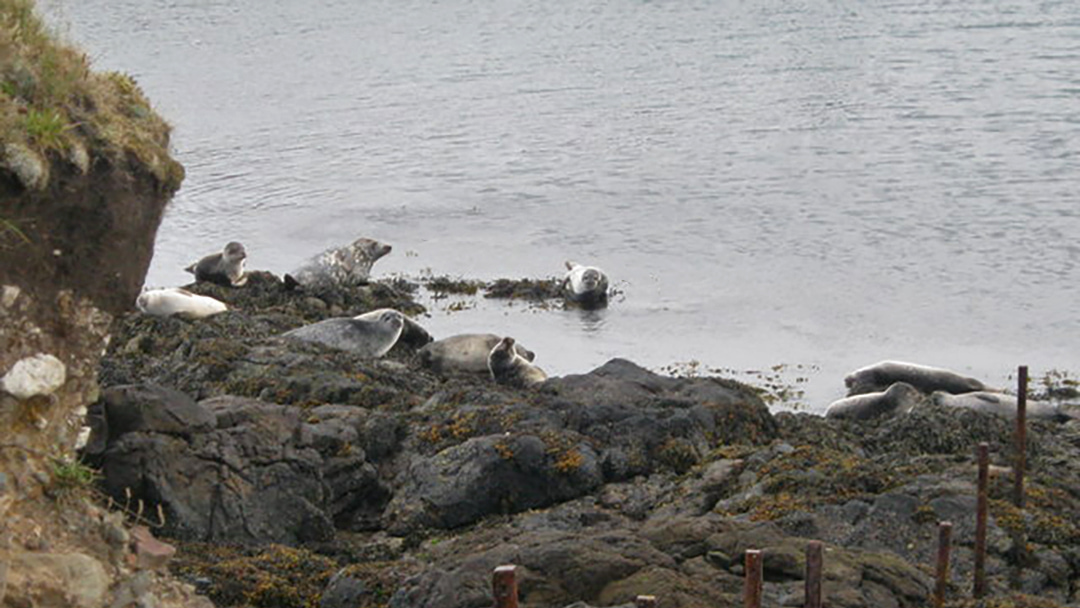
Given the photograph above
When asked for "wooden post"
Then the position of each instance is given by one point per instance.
(1021, 437)
(814, 562)
(504, 586)
(983, 457)
(645, 601)
(752, 590)
(944, 547)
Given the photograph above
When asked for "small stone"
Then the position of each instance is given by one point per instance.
(27, 165)
(150, 553)
(38, 375)
(9, 294)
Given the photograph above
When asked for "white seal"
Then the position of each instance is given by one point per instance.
(465, 353)
(341, 266)
(176, 301)
(508, 367)
(585, 286)
(879, 376)
(370, 335)
(897, 399)
(224, 268)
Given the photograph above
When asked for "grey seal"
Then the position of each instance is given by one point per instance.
(879, 376)
(586, 286)
(509, 368)
(224, 268)
(347, 266)
(999, 403)
(412, 333)
(369, 335)
(897, 399)
(465, 353)
(176, 301)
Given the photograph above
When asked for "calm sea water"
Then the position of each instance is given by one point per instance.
(814, 184)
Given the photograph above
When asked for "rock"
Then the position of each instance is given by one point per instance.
(41, 374)
(27, 165)
(56, 580)
(149, 552)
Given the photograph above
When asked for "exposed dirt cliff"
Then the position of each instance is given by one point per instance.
(85, 175)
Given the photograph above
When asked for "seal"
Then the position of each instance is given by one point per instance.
(465, 353)
(509, 368)
(879, 376)
(369, 335)
(224, 268)
(999, 403)
(412, 333)
(176, 301)
(349, 265)
(897, 399)
(586, 286)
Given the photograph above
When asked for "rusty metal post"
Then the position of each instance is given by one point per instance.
(504, 586)
(1021, 437)
(752, 590)
(944, 548)
(645, 601)
(814, 562)
(983, 456)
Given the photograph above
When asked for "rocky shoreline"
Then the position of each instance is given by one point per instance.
(295, 475)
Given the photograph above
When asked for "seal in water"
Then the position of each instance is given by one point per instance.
(465, 353)
(225, 268)
(369, 335)
(877, 377)
(343, 266)
(175, 301)
(586, 286)
(999, 403)
(510, 368)
(897, 399)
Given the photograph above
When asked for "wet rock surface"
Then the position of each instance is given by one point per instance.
(412, 486)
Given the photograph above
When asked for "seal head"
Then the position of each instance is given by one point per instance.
(586, 286)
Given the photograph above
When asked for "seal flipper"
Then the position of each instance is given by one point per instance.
(191, 268)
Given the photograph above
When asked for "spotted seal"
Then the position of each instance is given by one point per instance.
(369, 335)
(999, 403)
(349, 265)
(897, 399)
(586, 286)
(508, 367)
(170, 301)
(465, 353)
(224, 268)
(879, 376)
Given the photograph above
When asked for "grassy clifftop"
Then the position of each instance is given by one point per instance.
(53, 106)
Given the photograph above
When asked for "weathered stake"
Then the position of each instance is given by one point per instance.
(814, 562)
(983, 456)
(504, 586)
(645, 601)
(752, 590)
(944, 547)
(1021, 437)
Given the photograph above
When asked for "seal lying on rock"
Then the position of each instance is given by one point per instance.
(510, 368)
(999, 403)
(175, 301)
(465, 353)
(342, 266)
(897, 399)
(585, 286)
(878, 377)
(370, 335)
(224, 268)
